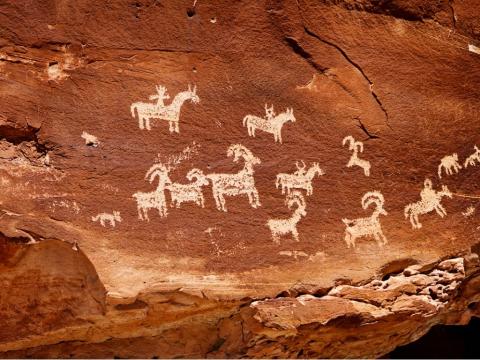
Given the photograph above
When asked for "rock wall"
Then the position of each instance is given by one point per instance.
(225, 179)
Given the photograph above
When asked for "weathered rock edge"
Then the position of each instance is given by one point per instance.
(368, 319)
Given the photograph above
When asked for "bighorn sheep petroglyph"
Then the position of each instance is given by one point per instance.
(356, 147)
(368, 226)
(280, 227)
(240, 183)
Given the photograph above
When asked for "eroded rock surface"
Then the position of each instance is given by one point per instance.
(226, 179)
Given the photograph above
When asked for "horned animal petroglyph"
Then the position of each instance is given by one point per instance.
(271, 123)
(368, 226)
(300, 179)
(240, 183)
(429, 201)
(192, 192)
(155, 199)
(280, 227)
(106, 217)
(474, 158)
(450, 164)
(356, 147)
(158, 110)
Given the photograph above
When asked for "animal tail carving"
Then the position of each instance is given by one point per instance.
(347, 222)
(245, 119)
(132, 109)
(277, 182)
(440, 171)
(95, 218)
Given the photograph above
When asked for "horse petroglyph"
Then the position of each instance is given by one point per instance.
(158, 110)
(272, 123)
(239, 183)
(192, 192)
(300, 179)
(450, 164)
(429, 201)
(368, 226)
(474, 158)
(356, 147)
(106, 217)
(280, 227)
(155, 199)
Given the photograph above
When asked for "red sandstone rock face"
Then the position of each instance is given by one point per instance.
(383, 95)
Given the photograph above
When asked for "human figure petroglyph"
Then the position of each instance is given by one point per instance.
(281, 227)
(368, 226)
(474, 158)
(192, 192)
(356, 147)
(155, 199)
(300, 179)
(106, 217)
(450, 164)
(158, 110)
(240, 183)
(272, 123)
(429, 201)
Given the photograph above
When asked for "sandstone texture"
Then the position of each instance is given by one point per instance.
(273, 178)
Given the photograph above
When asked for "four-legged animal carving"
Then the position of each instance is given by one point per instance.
(105, 217)
(474, 158)
(300, 179)
(239, 183)
(450, 164)
(192, 192)
(271, 123)
(368, 226)
(158, 110)
(356, 147)
(429, 201)
(155, 199)
(280, 227)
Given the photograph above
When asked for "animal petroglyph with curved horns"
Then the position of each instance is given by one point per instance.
(192, 192)
(356, 147)
(155, 199)
(368, 226)
(429, 201)
(300, 179)
(271, 123)
(158, 110)
(241, 183)
(280, 227)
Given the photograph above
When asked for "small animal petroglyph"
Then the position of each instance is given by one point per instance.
(429, 201)
(356, 147)
(469, 211)
(271, 123)
(295, 254)
(474, 158)
(241, 183)
(90, 140)
(281, 227)
(158, 110)
(192, 192)
(155, 199)
(368, 226)
(106, 217)
(300, 179)
(450, 164)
